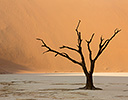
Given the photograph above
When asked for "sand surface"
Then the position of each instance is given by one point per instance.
(22, 21)
(61, 87)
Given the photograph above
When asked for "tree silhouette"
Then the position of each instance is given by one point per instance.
(89, 74)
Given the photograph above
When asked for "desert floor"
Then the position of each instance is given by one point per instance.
(62, 87)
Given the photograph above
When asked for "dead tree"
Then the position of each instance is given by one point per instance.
(88, 74)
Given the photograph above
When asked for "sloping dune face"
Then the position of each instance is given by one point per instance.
(22, 21)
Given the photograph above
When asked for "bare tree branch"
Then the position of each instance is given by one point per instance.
(79, 34)
(78, 27)
(65, 54)
(115, 32)
(108, 40)
(80, 49)
(69, 48)
(88, 44)
(90, 38)
(45, 51)
(104, 43)
(103, 46)
(58, 53)
(101, 40)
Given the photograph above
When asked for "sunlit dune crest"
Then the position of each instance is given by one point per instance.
(22, 21)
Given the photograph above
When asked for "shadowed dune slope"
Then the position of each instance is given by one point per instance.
(8, 67)
(22, 21)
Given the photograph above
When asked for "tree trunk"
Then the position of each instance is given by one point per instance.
(89, 82)
(89, 79)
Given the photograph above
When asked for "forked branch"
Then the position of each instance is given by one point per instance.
(79, 35)
(57, 53)
(80, 49)
(103, 45)
(89, 49)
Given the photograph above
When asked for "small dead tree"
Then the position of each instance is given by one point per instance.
(88, 74)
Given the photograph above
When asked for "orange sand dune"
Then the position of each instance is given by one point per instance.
(22, 21)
